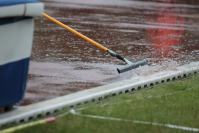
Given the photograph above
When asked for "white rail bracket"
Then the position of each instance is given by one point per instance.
(42, 109)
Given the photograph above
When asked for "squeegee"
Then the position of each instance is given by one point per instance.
(129, 65)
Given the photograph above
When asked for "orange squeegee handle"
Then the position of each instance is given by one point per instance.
(130, 65)
(96, 44)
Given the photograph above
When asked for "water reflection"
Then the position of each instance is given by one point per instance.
(165, 40)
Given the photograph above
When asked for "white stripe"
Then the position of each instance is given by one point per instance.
(72, 111)
(15, 41)
(32, 9)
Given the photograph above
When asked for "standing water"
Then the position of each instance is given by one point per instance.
(163, 31)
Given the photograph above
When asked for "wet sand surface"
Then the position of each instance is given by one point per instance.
(165, 32)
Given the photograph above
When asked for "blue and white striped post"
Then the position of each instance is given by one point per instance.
(16, 35)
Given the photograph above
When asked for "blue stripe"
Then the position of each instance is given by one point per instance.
(13, 77)
(4, 21)
(15, 2)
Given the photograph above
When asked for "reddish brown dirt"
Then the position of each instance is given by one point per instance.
(163, 32)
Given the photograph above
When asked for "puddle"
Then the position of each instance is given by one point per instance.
(164, 32)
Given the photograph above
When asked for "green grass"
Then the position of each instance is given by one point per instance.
(174, 102)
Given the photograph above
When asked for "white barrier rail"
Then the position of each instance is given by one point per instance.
(46, 108)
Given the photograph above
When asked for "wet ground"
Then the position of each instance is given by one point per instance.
(166, 32)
